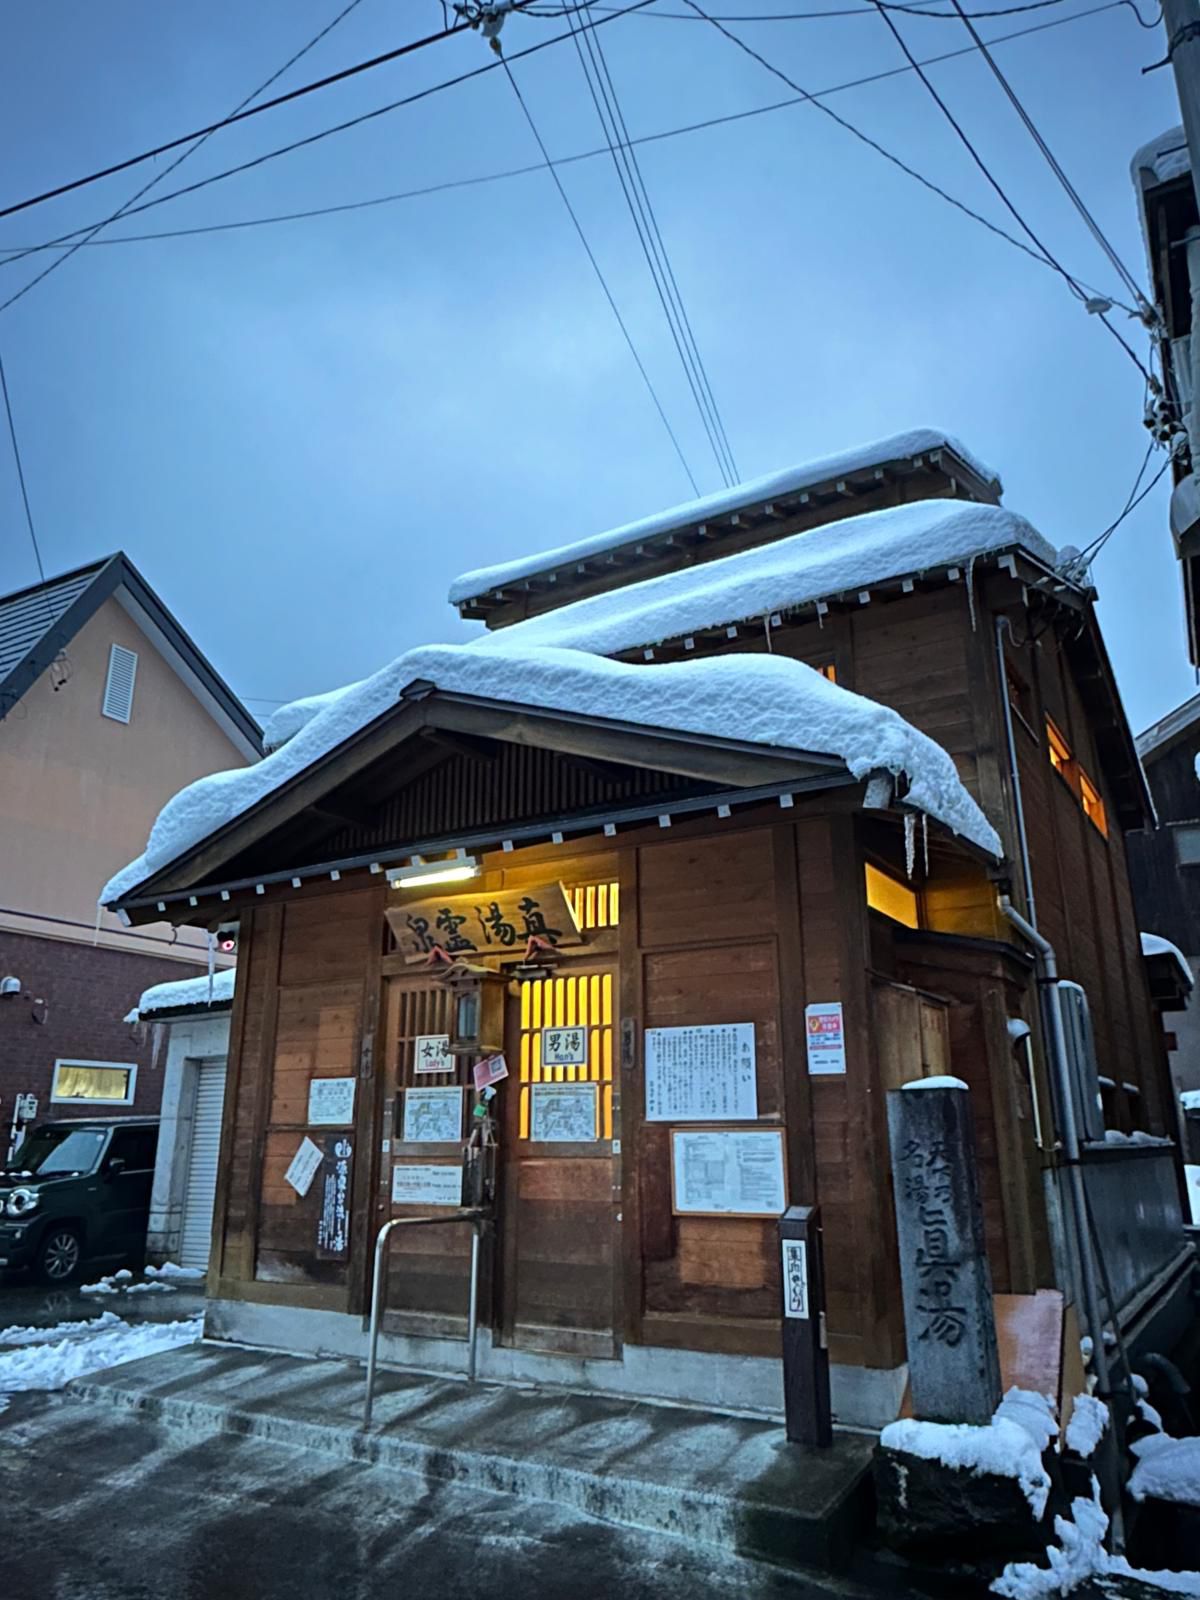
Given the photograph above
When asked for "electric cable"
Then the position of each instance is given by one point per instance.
(558, 184)
(1091, 551)
(810, 16)
(90, 234)
(637, 200)
(16, 450)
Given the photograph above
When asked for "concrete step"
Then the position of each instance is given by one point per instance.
(730, 1482)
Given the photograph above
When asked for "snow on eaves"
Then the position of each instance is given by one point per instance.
(186, 992)
(286, 721)
(1153, 944)
(1161, 159)
(760, 699)
(837, 558)
(901, 446)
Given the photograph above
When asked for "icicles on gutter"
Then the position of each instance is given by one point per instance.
(971, 590)
(925, 840)
(910, 841)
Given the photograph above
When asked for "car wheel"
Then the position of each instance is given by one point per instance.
(59, 1255)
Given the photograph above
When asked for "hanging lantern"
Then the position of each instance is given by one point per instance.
(477, 1008)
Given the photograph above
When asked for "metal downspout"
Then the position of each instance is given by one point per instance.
(1013, 773)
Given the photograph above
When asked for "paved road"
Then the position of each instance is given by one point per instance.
(102, 1507)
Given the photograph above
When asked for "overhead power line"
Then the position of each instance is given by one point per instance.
(1093, 226)
(558, 184)
(505, 174)
(641, 209)
(357, 122)
(91, 233)
(16, 450)
(864, 10)
(1072, 283)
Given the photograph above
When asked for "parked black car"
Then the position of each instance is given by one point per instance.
(78, 1191)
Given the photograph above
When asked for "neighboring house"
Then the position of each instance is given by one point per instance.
(1165, 866)
(1162, 176)
(107, 708)
(194, 1014)
(717, 836)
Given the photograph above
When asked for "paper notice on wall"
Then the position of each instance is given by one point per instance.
(825, 1032)
(728, 1172)
(426, 1184)
(330, 1102)
(701, 1074)
(563, 1113)
(304, 1165)
(433, 1116)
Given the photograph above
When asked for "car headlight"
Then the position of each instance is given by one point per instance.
(21, 1202)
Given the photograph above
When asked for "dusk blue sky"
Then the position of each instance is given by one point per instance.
(301, 432)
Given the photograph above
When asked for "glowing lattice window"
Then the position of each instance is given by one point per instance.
(583, 1003)
(596, 905)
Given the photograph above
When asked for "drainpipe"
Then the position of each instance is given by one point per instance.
(1047, 967)
(1014, 775)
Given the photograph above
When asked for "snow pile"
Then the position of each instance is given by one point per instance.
(1190, 1099)
(13, 1336)
(1115, 1136)
(1089, 1418)
(178, 1274)
(762, 699)
(186, 992)
(1154, 944)
(1010, 1446)
(839, 558)
(113, 1284)
(940, 1081)
(59, 1359)
(1167, 1469)
(900, 447)
(285, 722)
(1081, 1556)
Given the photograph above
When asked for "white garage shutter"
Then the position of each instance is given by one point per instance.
(202, 1166)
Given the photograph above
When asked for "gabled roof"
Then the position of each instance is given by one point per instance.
(768, 711)
(834, 482)
(1168, 729)
(39, 622)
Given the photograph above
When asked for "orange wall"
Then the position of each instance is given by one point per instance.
(78, 791)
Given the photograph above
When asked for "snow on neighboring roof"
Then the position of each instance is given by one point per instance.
(1167, 1469)
(838, 558)
(285, 722)
(186, 992)
(1161, 159)
(1154, 944)
(1176, 721)
(760, 699)
(1190, 1099)
(900, 446)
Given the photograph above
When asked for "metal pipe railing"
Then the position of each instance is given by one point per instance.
(476, 1216)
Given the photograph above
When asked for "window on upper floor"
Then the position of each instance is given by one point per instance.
(118, 685)
(1076, 779)
(1093, 805)
(827, 670)
(892, 897)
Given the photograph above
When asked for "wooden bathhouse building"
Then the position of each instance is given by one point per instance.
(686, 860)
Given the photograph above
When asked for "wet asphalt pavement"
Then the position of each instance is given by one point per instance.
(24, 1303)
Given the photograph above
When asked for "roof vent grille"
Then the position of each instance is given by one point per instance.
(118, 688)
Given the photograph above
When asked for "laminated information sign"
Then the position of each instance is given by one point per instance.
(701, 1074)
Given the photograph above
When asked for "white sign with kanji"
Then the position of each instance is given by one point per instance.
(795, 1277)
(564, 1047)
(701, 1074)
(431, 1053)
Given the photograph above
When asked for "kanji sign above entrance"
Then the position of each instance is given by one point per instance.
(485, 923)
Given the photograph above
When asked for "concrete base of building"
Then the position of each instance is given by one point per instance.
(748, 1386)
(728, 1482)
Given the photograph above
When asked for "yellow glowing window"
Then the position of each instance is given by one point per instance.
(579, 1004)
(891, 898)
(1060, 752)
(596, 905)
(1093, 805)
(93, 1081)
(828, 670)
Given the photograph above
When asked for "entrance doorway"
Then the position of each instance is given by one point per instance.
(559, 1221)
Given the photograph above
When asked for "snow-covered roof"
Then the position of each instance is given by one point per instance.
(1161, 159)
(285, 722)
(759, 699)
(901, 446)
(1153, 944)
(164, 997)
(837, 558)
(1176, 721)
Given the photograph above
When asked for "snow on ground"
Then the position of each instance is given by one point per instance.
(763, 699)
(15, 1336)
(901, 446)
(1089, 1418)
(122, 1282)
(1010, 1446)
(844, 557)
(1167, 1469)
(178, 1274)
(201, 991)
(1153, 944)
(1079, 1556)
(68, 1351)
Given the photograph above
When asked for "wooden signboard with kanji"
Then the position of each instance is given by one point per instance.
(491, 923)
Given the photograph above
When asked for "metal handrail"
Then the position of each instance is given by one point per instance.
(476, 1216)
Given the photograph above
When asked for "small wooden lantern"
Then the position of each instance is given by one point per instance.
(477, 1012)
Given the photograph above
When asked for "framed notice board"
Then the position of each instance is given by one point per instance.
(728, 1172)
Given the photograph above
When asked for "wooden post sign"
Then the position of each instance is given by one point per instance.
(807, 1409)
(484, 924)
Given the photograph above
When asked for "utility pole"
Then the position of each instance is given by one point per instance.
(1181, 19)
